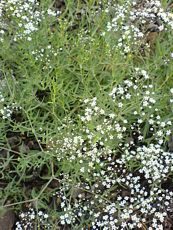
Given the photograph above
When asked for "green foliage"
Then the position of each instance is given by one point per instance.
(45, 82)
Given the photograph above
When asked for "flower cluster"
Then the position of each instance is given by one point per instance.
(45, 55)
(30, 219)
(23, 17)
(135, 20)
(115, 168)
(7, 110)
(155, 164)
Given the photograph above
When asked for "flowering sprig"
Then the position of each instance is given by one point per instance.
(7, 110)
(30, 219)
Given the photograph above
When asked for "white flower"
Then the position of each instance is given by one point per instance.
(62, 222)
(82, 170)
(45, 216)
(168, 132)
(120, 104)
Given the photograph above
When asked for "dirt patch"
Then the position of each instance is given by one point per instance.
(7, 220)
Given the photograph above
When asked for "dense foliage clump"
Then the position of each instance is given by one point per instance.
(86, 96)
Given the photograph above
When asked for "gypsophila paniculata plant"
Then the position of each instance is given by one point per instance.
(113, 168)
(22, 18)
(86, 102)
(133, 21)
